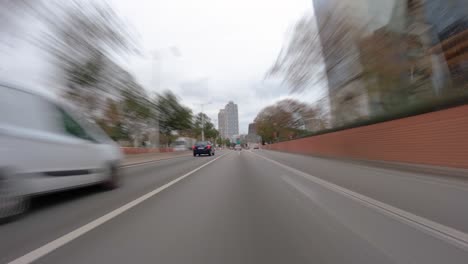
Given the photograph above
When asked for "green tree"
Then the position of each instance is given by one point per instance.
(172, 115)
(137, 115)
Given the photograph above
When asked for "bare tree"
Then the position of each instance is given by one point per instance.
(287, 119)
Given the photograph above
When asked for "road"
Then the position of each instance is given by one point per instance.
(248, 207)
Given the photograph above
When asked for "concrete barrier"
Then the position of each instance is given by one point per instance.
(438, 138)
(131, 150)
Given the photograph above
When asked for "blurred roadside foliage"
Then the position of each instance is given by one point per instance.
(84, 40)
(136, 118)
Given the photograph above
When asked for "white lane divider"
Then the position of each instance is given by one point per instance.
(448, 234)
(53, 245)
(152, 161)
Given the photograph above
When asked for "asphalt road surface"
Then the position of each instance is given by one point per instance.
(248, 207)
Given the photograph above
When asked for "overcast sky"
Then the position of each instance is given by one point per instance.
(223, 49)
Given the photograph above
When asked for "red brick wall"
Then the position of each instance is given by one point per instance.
(438, 138)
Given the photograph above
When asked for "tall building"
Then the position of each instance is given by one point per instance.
(232, 119)
(449, 31)
(382, 55)
(222, 123)
(228, 121)
(346, 92)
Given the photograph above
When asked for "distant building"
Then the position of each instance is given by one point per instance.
(449, 31)
(232, 119)
(222, 123)
(228, 121)
(252, 129)
(252, 137)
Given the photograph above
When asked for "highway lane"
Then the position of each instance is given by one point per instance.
(440, 199)
(54, 215)
(248, 208)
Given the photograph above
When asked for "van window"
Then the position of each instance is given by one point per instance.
(25, 110)
(180, 143)
(71, 127)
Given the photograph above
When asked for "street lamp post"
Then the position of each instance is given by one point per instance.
(216, 138)
(202, 124)
(156, 56)
(203, 120)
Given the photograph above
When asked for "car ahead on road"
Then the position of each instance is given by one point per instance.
(237, 147)
(45, 146)
(203, 148)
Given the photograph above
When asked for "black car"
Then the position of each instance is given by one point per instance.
(203, 147)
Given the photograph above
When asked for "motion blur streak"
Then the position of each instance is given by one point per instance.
(383, 60)
(339, 131)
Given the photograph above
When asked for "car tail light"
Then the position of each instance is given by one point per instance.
(208, 147)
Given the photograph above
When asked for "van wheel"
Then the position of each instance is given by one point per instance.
(12, 207)
(12, 204)
(114, 179)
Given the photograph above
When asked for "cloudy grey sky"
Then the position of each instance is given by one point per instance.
(225, 48)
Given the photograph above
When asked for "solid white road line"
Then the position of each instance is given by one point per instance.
(51, 246)
(151, 162)
(448, 234)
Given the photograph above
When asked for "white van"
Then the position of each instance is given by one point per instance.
(183, 144)
(47, 147)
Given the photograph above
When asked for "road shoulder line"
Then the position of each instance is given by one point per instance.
(448, 234)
